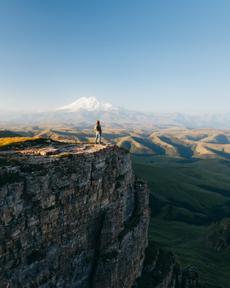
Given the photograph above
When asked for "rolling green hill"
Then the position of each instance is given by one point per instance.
(173, 142)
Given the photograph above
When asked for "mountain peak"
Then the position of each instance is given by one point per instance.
(88, 104)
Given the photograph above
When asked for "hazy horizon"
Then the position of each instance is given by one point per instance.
(147, 111)
(155, 56)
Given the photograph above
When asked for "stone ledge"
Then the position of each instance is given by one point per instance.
(55, 150)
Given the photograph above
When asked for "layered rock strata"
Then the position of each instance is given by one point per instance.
(71, 216)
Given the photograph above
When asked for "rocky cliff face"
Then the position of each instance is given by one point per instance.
(219, 235)
(161, 270)
(71, 217)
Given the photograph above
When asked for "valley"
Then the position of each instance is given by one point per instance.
(171, 142)
(188, 173)
(189, 200)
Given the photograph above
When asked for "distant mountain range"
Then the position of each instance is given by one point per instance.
(85, 111)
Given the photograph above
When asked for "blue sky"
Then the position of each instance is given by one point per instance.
(154, 55)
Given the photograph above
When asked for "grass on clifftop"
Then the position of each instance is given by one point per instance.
(19, 142)
(4, 142)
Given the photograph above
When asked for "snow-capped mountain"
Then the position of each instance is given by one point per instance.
(85, 111)
(87, 104)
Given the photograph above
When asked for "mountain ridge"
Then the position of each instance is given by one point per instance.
(184, 143)
(88, 104)
(87, 110)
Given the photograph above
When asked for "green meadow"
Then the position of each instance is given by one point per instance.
(186, 198)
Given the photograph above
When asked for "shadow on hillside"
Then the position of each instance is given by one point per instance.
(157, 149)
(183, 150)
(219, 153)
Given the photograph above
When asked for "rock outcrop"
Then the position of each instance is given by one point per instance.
(161, 270)
(218, 236)
(71, 216)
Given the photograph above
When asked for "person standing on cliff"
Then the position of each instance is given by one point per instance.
(98, 131)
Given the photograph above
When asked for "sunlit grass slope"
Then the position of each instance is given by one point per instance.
(15, 140)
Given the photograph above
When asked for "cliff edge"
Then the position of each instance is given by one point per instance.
(71, 216)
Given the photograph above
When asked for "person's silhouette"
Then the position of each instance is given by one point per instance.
(98, 131)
